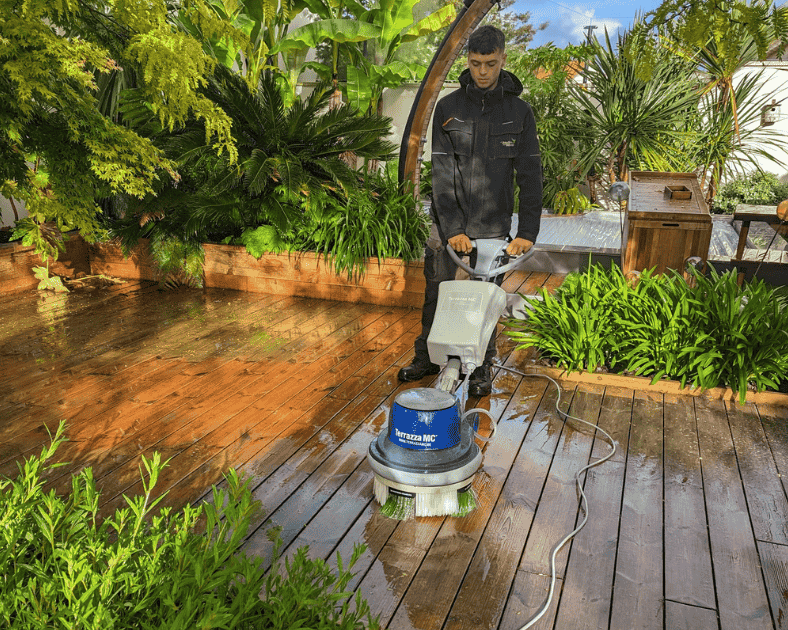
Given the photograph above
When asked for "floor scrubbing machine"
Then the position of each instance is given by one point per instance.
(425, 459)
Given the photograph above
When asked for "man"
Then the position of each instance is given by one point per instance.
(482, 133)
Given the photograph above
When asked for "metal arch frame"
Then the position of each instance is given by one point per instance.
(413, 137)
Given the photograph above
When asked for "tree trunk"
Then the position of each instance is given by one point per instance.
(13, 207)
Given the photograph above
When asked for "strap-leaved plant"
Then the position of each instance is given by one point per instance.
(706, 333)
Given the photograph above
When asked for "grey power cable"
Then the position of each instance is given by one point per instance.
(487, 413)
(583, 499)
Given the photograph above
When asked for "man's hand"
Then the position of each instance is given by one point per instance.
(518, 246)
(461, 244)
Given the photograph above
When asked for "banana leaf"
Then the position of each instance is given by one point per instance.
(338, 30)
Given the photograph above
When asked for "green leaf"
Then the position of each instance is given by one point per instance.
(336, 30)
(262, 240)
(432, 23)
(53, 283)
(393, 74)
(359, 89)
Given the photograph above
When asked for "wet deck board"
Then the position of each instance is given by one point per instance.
(588, 585)
(741, 594)
(687, 521)
(638, 599)
(689, 578)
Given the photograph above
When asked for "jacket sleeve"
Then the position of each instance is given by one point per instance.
(528, 168)
(445, 205)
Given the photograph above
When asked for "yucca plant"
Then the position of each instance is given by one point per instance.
(627, 122)
(731, 139)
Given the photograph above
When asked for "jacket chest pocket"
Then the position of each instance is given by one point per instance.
(504, 138)
(460, 134)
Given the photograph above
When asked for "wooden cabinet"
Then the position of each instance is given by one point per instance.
(666, 222)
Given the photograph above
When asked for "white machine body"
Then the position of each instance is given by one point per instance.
(465, 318)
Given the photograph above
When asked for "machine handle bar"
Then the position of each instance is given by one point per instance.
(493, 273)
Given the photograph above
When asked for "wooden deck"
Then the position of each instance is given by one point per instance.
(689, 520)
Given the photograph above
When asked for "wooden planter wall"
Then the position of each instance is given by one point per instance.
(387, 283)
(17, 262)
(108, 259)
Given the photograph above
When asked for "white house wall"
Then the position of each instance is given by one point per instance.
(775, 80)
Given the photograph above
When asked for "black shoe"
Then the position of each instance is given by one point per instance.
(417, 370)
(481, 381)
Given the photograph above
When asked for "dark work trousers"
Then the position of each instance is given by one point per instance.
(438, 266)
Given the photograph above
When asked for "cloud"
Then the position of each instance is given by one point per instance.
(566, 22)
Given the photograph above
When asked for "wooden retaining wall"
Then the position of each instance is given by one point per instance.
(108, 259)
(17, 262)
(389, 282)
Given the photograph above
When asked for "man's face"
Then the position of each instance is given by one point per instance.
(485, 69)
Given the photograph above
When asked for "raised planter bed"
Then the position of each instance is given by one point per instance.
(17, 262)
(641, 383)
(389, 282)
(108, 259)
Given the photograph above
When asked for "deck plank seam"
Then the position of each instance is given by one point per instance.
(499, 497)
(520, 569)
(747, 502)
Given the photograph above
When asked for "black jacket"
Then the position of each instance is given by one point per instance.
(479, 139)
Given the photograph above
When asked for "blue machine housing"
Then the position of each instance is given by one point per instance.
(427, 421)
(424, 429)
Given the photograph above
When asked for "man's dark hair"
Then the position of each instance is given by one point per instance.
(485, 40)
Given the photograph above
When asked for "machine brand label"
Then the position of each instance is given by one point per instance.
(412, 437)
(469, 302)
(424, 430)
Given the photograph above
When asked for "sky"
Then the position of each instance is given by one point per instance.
(568, 18)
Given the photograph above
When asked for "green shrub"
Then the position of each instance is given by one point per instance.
(711, 334)
(177, 262)
(571, 201)
(262, 240)
(62, 567)
(756, 188)
(572, 326)
(378, 221)
(285, 153)
(746, 330)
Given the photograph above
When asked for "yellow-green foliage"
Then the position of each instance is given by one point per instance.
(730, 25)
(51, 52)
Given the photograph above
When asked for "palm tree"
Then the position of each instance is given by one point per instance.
(720, 39)
(729, 134)
(626, 121)
(285, 154)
